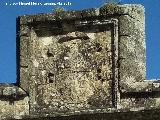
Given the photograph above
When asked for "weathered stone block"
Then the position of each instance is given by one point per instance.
(72, 65)
(82, 62)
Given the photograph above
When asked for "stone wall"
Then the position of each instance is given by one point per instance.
(87, 64)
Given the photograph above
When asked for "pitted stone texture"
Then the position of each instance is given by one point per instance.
(72, 71)
(130, 26)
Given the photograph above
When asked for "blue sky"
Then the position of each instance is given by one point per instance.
(9, 13)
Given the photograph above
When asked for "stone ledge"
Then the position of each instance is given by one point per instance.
(14, 102)
(10, 91)
(134, 10)
(145, 86)
(136, 115)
